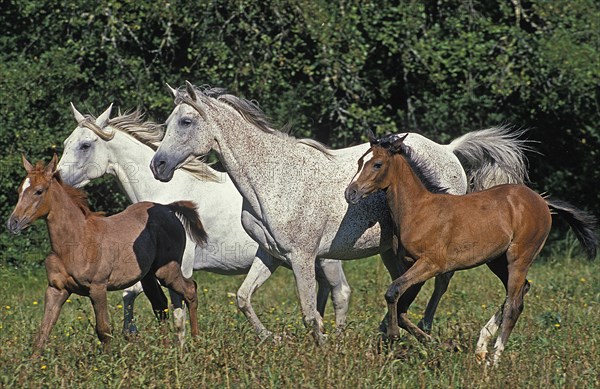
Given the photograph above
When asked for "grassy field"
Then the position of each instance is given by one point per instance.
(556, 342)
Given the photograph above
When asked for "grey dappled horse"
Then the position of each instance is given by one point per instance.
(293, 189)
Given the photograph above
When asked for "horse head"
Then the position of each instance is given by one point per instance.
(33, 195)
(85, 154)
(373, 166)
(188, 133)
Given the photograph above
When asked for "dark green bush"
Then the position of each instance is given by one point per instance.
(331, 69)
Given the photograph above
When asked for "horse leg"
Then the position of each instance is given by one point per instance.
(53, 302)
(155, 295)
(129, 296)
(187, 268)
(262, 267)
(99, 299)
(178, 314)
(170, 275)
(518, 286)
(487, 333)
(422, 270)
(396, 268)
(441, 285)
(334, 279)
(499, 267)
(304, 272)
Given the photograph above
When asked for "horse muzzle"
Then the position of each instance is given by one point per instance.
(161, 170)
(352, 194)
(15, 225)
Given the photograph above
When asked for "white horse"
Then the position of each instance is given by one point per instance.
(123, 147)
(293, 189)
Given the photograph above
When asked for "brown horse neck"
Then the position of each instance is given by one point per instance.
(406, 189)
(65, 220)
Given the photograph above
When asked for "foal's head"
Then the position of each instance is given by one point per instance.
(33, 195)
(373, 167)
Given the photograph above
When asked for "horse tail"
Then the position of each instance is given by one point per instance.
(582, 223)
(186, 210)
(492, 156)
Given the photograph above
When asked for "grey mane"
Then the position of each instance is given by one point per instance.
(249, 110)
(149, 134)
(424, 171)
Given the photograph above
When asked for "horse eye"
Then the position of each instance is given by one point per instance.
(85, 146)
(185, 122)
(39, 192)
(377, 165)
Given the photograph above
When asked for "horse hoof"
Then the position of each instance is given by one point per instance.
(481, 357)
(424, 327)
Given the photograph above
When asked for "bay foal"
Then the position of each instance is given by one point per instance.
(504, 227)
(92, 253)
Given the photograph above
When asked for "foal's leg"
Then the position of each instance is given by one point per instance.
(262, 267)
(129, 296)
(170, 274)
(396, 268)
(499, 267)
(421, 271)
(157, 298)
(518, 286)
(53, 302)
(178, 314)
(100, 303)
(335, 279)
(441, 285)
(187, 268)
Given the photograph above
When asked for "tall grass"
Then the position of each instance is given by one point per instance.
(556, 342)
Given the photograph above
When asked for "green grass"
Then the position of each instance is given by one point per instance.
(556, 342)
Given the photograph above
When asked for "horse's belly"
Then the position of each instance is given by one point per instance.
(226, 257)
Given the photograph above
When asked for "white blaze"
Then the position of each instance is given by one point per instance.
(26, 184)
(365, 159)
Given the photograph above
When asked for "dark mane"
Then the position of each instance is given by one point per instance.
(422, 169)
(249, 110)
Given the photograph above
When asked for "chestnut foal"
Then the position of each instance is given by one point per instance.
(92, 253)
(504, 227)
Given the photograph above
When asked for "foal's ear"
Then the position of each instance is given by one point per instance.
(51, 168)
(173, 91)
(26, 164)
(78, 116)
(396, 146)
(102, 120)
(189, 88)
(372, 139)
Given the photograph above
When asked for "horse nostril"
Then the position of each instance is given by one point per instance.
(11, 224)
(160, 166)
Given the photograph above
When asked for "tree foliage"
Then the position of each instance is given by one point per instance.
(331, 69)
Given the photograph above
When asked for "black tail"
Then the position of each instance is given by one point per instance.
(191, 221)
(582, 223)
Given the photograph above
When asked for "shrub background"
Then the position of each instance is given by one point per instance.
(331, 69)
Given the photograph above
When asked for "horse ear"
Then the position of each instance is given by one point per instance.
(397, 144)
(102, 120)
(78, 116)
(372, 139)
(26, 164)
(189, 88)
(51, 168)
(173, 91)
